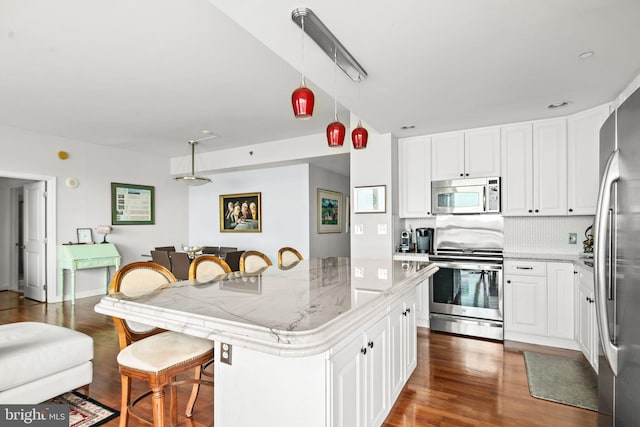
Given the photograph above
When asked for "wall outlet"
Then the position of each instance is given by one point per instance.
(382, 228)
(358, 229)
(225, 353)
(382, 273)
(573, 238)
(359, 272)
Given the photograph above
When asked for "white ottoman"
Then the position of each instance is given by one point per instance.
(41, 361)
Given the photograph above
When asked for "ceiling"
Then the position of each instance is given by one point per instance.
(148, 75)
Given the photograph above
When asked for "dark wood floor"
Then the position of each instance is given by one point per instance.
(458, 382)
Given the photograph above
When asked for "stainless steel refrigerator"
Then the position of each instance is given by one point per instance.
(617, 267)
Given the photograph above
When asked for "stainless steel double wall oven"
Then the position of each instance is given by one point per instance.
(466, 294)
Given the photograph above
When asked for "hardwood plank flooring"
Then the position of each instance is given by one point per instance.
(458, 382)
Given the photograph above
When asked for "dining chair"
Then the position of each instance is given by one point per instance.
(180, 263)
(211, 250)
(287, 257)
(165, 248)
(225, 250)
(207, 267)
(152, 354)
(233, 260)
(252, 261)
(162, 258)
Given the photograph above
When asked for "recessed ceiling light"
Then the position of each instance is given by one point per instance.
(407, 127)
(210, 133)
(586, 54)
(558, 105)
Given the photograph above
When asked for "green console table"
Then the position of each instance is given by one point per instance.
(79, 257)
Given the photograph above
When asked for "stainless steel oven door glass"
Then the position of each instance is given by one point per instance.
(468, 290)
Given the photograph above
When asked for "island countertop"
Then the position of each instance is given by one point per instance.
(300, 311)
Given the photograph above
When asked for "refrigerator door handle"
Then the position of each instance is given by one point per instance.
(602, 220)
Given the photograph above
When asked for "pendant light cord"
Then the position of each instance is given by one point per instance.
(302, 47)
(335, 83)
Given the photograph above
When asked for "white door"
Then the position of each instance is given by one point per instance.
(35, 234)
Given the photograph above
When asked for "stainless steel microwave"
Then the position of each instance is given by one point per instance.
(466, 196)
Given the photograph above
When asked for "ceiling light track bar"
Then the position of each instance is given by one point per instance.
(324, 38)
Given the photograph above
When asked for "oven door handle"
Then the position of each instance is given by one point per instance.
(469, 266)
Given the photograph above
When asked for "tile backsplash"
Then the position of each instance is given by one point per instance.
(544, 234)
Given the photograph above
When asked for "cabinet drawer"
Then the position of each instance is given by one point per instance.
(525, 268)
(93, 263)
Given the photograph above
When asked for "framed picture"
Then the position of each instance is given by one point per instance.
(241, 213)
(132, 204)
(371, 199)
(330, 211)
(84, 235)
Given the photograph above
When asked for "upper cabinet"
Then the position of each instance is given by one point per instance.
(534, 159)
(414, 159)
(583, 161)
(470, 154)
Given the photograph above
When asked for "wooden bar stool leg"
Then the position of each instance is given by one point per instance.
(157, 399)
(194, 392)
(125, 397)
(173, 403)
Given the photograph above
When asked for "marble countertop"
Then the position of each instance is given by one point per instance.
(577, 259)
(297, 312)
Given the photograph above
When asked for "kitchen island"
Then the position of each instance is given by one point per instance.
(330, 342)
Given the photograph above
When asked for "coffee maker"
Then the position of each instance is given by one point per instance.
(424, 240)
(405, 241)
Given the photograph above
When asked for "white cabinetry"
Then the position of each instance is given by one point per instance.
(403, 337)
(414, 159)
(534, 158)
(538, 302)
(583, 159)
(360, 378)
(470, 154)
(368, 373)
(586, 333)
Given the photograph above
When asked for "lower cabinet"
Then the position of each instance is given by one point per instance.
(368, 374)
(539, 302)
(586, 333)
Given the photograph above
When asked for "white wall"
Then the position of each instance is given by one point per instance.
(25, 154)
(285, 210)
(327, 244)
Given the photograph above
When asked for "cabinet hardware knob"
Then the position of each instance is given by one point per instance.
(575, 272)
(363, 350)
(404, 313)
(508, 281)
(570, 210)
(466, 174)
(530, 211)
(537, 211)
(408, 310)
(370, 344)
(461, 174)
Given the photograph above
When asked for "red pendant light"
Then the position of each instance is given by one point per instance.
(359, 136)
(302, 99)
(335, 134)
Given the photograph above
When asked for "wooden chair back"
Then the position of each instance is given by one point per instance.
(180, 263)
(135, 279)
(252, 261)
(207, 267)
(288, 256)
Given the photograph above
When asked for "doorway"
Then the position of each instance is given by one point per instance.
(28, 235)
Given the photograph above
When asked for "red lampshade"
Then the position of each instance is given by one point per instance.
(359, 137)
(335, 134)
(302, 100)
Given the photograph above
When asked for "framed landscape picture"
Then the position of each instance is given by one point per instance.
(132, 204)
(330, 211)
(241, 213)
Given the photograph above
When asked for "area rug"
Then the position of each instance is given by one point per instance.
(84, 411)
(561, 380)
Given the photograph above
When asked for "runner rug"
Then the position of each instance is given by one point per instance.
(84, 411)
(561, 380)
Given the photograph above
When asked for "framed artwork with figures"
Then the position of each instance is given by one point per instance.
(241, 213)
